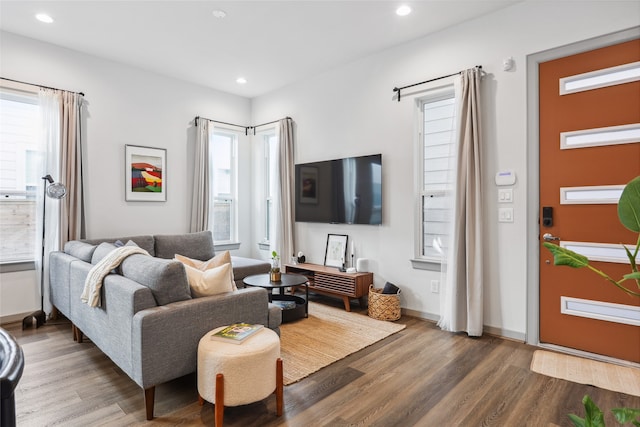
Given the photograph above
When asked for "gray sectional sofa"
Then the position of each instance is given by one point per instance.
(148, 324)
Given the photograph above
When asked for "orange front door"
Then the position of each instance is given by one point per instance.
(586, 155)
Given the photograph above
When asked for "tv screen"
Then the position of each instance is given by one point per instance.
(340, 191)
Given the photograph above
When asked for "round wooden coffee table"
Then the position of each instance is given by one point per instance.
(301, 308)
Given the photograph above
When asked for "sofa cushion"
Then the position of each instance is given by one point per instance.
(213, 281)
(101, 251)
(146, 242)
(216, 261)
(80, 250)
(192, 245)
(166, 278)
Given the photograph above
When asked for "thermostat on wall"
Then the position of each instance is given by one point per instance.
(506, 177)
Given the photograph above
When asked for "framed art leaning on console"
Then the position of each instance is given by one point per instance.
(336, 250)
(145, 174)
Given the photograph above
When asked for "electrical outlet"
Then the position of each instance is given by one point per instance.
(435, 286)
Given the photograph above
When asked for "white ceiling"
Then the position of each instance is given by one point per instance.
(270, 43)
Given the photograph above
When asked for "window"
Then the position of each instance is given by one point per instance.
(223, 186)
(270, 146)
(437, 132)
(19, 157)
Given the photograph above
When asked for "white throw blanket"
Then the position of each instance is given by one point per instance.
(93, 283)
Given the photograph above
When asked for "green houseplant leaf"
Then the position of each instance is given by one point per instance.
(577, 421)
(633, 276)
(625, 415)
(564, 256)
(594, 417)
(629, 205)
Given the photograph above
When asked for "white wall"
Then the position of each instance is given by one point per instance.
(127, 106)
(19, 294)
(349, 111)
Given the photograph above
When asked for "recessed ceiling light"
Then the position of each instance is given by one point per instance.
(403, 10)
(241, 80)
(43, 17)
(219, 13)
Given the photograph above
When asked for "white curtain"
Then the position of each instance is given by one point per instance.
(61, 139)
(283, 195)
(462, 300)
(200, 203)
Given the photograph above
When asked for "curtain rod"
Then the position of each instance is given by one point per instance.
(269, 123)
(41, 86)
(246, 128)
(398, 89)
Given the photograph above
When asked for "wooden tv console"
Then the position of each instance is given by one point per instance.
(331, 281)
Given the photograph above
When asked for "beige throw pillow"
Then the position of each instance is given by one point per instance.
(216, 261)
(216, 280)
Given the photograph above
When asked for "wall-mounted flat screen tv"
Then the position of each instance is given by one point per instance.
(340, 191)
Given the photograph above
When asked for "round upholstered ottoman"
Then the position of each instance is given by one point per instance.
(231, 374)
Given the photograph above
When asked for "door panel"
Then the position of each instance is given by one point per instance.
(579, 167)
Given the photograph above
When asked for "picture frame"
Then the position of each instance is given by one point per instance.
(145, 174)
(308, 185)
(335, 254)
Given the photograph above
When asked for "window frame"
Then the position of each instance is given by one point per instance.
(232, 198)
(25, 94)
(267, 137)
(435, 94)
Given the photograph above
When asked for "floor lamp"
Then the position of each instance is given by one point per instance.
(54, 190)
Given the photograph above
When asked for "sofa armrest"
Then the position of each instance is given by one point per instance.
(108, 326)
(165, 338)
(243, 267)
(59, 280)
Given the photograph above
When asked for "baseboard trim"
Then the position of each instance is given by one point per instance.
(505, 333)
(490, 330)
(420, 314)
(13, 318)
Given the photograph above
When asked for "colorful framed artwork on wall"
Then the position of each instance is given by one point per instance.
(145, 174)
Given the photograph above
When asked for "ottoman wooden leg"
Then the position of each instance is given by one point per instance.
(219, 403)
(200, 400)
(279, 387)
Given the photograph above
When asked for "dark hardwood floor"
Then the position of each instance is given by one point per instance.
(420, 376)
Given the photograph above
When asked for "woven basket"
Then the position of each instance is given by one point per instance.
(383, 306)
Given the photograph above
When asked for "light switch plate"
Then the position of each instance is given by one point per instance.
(505, 215)
(505, 195)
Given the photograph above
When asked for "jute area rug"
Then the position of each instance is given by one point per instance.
(609, 376)
(326, 336)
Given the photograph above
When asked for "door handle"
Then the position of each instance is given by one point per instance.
(549, 237)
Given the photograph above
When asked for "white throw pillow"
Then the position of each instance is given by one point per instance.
(216, 261)
(213, 281)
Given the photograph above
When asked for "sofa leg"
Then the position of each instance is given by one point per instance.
(149, 397)
(77, 334)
